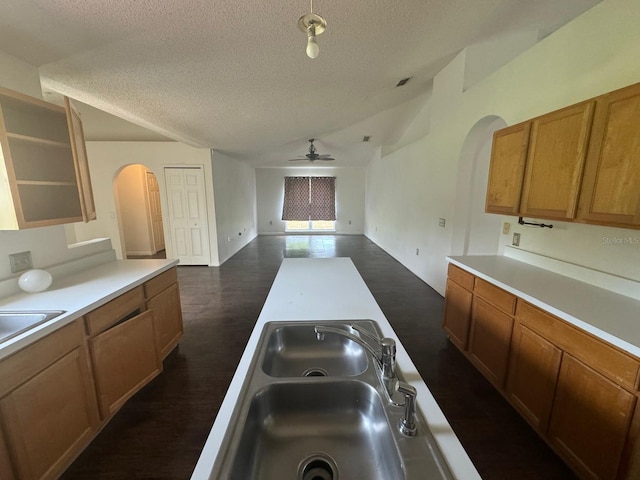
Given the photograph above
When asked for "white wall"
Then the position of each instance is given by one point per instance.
(48, 245)
(134, 213)
(350, 194)
(234, 187)
(409, 189)
(107, 159)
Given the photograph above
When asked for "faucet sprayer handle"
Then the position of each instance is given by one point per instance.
(408, 423)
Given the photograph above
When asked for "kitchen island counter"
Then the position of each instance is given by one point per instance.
(329, 289)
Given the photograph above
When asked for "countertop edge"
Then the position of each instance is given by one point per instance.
(552, 309)
(76, 299)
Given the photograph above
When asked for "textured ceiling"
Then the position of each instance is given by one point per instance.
(233, 75)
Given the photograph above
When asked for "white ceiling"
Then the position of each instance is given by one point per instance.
(232, 75)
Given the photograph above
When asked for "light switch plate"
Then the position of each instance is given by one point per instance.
(20, 262)
(506, 226)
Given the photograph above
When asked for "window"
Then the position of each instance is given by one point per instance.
(309, 203)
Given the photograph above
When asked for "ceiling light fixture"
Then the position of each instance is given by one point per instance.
(312, 25)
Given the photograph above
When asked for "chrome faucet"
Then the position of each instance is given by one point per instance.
(385, 358)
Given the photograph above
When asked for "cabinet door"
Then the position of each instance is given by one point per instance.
(125, 359)
(611, 192)
(6, 469)
(506, 171)
(167, 319)
(457, 314)
(50, 418)
(590, 420)
(81, 163)
(555, 162)
(533, 372)
(490, 340)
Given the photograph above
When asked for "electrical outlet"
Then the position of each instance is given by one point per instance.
(442, 222)
(516, 240)
(506, 226)
(20, 262)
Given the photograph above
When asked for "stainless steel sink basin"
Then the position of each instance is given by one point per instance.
(294, 351)
(316, 431)
(316, 408)
(14, 323)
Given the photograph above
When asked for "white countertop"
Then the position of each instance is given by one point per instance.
(78, 294)
(610, 316)
(330, 289)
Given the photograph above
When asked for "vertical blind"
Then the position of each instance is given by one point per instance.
(309, 198)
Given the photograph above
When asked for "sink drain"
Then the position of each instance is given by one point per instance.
(315, 372)
(318, 467)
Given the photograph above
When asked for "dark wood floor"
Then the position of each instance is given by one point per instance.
(159, 433)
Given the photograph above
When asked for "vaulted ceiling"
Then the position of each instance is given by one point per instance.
(232, 75)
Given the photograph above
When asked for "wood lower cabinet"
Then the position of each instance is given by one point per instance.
(52, 416)
(490, 340)
(577, 391)
(124, 358)
(590, 420)
(457, 313)
(163, 296)
(533, 372)
(6, 466)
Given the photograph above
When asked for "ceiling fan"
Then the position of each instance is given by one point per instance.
(313, 154)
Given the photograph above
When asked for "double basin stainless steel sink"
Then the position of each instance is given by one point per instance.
(13, 323)
(314, 409)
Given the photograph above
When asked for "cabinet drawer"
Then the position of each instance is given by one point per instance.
(160, 283)
(116, 310)
(31, 360)
(602, 357)
(495, 296)
(461, 277)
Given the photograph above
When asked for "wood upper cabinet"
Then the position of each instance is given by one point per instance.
(611, 192)
(580, 163)
(533, 372)
(590, 420)
(42, 181)
(555, 162)
(48, 405)
(163, 298)
(506, 171)
(81, 162)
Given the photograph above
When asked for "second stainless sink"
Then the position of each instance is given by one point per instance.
(294, 351)
(13, 323)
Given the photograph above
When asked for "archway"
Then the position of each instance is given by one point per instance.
(137, 199)
(476, 232)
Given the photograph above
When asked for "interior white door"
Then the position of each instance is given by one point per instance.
(155, 212)
(188, 214)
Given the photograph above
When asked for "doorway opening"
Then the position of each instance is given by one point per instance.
(474, 231)
(139, 211)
